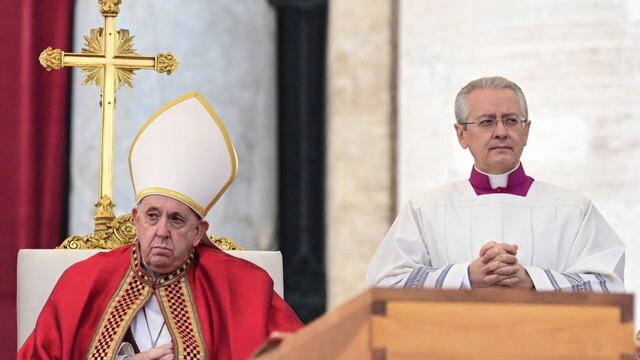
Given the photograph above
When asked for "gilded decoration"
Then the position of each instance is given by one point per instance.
(224, 243)
(51, 59)
(110, 232)
(166, 63)
(93, 44)
(121, 231)
(109, 7)
(104, 208)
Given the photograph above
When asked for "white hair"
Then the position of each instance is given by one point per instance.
(494, 82)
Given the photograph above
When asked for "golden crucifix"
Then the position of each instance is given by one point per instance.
(109, 61)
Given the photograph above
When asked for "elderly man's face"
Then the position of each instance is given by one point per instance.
(496, 150)
(167, 230)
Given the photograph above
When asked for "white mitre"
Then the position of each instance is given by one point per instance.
(184, 152)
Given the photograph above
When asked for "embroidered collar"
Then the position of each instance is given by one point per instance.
(518, 183)
(162, 280)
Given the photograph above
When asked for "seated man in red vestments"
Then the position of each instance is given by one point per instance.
(171, 294)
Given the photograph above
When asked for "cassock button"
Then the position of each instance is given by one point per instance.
(499, 190)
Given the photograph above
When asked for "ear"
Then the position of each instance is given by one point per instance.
(526, 132)
(134, 214)
(461, 134)
(201, 230)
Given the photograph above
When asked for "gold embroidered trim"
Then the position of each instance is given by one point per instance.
(182, 320)
(126, 302)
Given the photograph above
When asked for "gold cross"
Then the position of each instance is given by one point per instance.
(109, 61)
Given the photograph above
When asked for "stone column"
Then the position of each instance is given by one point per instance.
(302, 28)
(361, 126)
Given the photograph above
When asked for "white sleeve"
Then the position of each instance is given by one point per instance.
(466, 282)
(403, 260)
(595, 262)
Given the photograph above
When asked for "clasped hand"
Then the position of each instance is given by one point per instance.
(162, 352)
(497, 266)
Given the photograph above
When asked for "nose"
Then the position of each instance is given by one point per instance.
(500, 131)
(162, 228)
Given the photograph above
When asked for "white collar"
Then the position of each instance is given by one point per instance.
(498, 180)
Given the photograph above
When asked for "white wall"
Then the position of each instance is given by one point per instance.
(226, 50)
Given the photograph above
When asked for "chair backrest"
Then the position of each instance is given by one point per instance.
(39, 270)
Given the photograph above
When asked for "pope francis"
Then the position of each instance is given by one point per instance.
(171, 294)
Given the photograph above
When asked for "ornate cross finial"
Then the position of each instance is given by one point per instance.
(109, 7)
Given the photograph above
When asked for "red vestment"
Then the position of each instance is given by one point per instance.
(216, 306)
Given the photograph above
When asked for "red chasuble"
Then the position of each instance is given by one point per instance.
(216, 306)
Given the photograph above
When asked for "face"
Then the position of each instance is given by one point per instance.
(167, 230)
(497, 150)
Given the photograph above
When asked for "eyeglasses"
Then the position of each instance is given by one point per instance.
(509, 122)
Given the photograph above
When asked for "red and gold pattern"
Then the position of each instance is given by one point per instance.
(182, 320)
(174, 297)
(128, 300)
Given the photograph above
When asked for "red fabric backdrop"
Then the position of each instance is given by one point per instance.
(33, 140)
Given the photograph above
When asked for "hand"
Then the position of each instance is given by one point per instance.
(519, 277)
(483, 271)
(162, 352)
(492, 249)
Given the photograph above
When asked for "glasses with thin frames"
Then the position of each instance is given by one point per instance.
(489, 124)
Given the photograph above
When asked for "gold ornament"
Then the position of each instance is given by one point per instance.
(51, 59)
(224, 243)
(124, 47)
(109, 7)
(166, 63)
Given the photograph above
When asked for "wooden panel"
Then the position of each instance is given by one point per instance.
(452, 324)
(623, 301)
(458, 330)
(341, 334)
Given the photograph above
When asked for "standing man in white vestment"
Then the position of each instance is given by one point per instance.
(499, 228)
